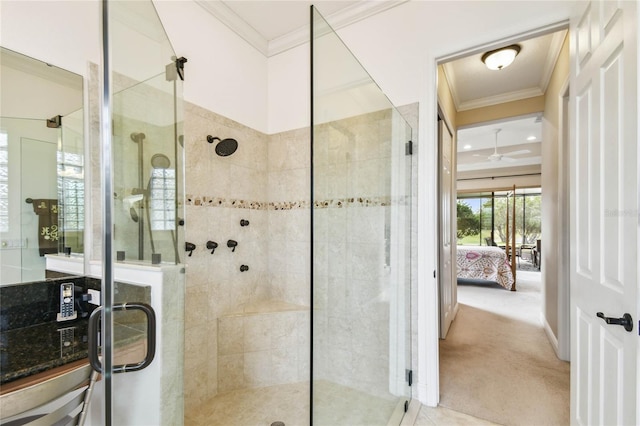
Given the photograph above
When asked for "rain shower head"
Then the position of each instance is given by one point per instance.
(137, 137)
(224, 147)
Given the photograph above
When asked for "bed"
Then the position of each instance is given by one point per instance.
(485, 263)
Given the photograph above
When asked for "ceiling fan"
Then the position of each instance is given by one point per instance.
(496, 156)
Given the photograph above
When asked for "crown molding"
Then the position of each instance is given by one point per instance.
(447, 68)
(501, 98)
(552, 58)
(236, 24)
(340, 19)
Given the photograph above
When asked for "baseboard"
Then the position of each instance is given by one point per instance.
(552, 338)
(423, 395)
(455, 310)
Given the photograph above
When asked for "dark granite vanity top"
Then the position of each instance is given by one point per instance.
(33, 341)
(30, 350)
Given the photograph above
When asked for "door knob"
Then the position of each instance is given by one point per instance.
(626, 321)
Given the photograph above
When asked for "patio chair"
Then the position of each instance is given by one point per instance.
(490, 242)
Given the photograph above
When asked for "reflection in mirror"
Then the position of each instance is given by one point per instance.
(41, 165)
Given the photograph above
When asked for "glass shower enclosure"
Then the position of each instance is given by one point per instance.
(361, 216)
(142, 318)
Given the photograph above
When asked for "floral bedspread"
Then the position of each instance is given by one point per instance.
(484, 263)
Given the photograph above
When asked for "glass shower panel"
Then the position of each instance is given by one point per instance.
(147, 181)
(148, 234)
(361, 195)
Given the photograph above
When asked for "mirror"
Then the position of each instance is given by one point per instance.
(41, 165)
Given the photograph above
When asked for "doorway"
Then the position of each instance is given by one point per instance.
(493, 111)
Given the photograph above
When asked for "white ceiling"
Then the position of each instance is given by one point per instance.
(475, 144)
(473, 85)
(273, 27)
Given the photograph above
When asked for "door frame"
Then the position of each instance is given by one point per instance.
(431, 365)
(563, 348)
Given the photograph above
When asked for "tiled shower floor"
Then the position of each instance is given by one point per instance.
(290, 404)
(262, 406)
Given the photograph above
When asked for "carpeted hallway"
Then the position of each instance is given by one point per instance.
(497, 363)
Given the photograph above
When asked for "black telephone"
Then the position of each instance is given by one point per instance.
(67, 302)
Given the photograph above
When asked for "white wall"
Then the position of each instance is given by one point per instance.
(224, 73)
(62, 33)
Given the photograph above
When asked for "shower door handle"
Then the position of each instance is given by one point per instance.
(94, 341)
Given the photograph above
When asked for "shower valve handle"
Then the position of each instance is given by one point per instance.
(190, 247)
(232, 245)
(212, 245)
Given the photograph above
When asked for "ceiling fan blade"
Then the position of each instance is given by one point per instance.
(495, 157)
(520, 152)
(508, 159)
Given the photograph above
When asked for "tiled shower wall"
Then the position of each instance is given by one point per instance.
(265, 182)
(352, 243)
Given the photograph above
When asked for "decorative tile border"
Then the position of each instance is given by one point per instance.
(200, 201)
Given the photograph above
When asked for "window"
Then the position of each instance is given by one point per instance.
(162, 199)
(482, 217)
(71, 190)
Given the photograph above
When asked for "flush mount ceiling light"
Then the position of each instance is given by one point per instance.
(501, 58)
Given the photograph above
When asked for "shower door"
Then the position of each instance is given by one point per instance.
(142, 314)
(361, 215)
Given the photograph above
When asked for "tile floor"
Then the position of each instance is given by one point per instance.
(290, 404)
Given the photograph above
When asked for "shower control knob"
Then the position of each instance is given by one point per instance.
(244, 222)
(244, 268)
(232, 245)
(212, 245)
(190, 247)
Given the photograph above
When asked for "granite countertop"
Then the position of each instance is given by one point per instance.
(32, 341)
(30, 350)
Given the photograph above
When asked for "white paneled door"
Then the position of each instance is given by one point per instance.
(604, 213)
(447, 230)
